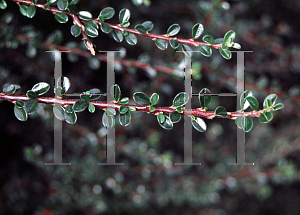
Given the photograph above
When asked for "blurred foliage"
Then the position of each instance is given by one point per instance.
(149, 182)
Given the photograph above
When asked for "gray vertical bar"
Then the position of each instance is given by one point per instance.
(57, 122)
(188, 145)
(110, 141)
(240, 150)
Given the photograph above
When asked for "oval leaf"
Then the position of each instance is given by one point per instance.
(161, 44)
(80, 106)
(148, 25)
(123, 109)
(125, 118)
(70, 118)
(91, 31)
(221, 111)
(20, 113)
(107, 121)
(124, 15)
(85, 15)
(31, 106)
(23, 9)
(41, 88)
(272, 98)
(173, 30)
(243, 101)
(204, 99)
(61, 17)
(208, 39)
(175, 116)
(199, 124)
(252, 102)
(105, 28)
(205, 50)
(186, 50)
(91, 108)
(140, 28)
(124, 100)
(229, 37)
(93, 92)
(110, 111)
(278, 106)
(31, 11)
(131, 39)
(180, 99)
(62, 4)
(9, 89)
(174, 43)
(141, 98)
(107, 13)
(117, 35)
(225, 53)
(115, 92)
(64, 83)
(154, 98)
(59, 112)
(265, 117)
(197, 30)
(160, 118)
(75, 30)
(167, 124)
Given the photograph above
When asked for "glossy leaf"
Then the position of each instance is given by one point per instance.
(243, 102)
(154, 98)
(244, 123)
(124, 15)
(161, 44)
(125, 24)
(59, 112)
(75, 30)
(205, 50)
(125, 119)
(148, 25)
(173, 30)
(221, 111)
(236, 46)
(111, 111)
(108, 121)
(115, 92)
(30, 94)
(199, 124)
(3, 4)
(72, 8)
(175, 116)
(174, 43)
(140, 28)
(92, 24)
(69, 109)
(272, 98)
(123, 109)
(141, 98)
(80, 106)
(105, 28)
(265, 117)
(41, 88)
(160, 118)
(167, 124)
(62, 4)
(93, 92)
(208, 39)
(31, 11)
(204, 99)
(61, 17)
(124, 100)
(117, 35)
(64, 83)
(252, 102)
(186, 50)
(20, 113)
(85, 15)
(152, 108)
(197, 30)
(20, 104)
(229, 37)
(180, 99)
(278, 106)
(107, 13)
(131, 109)
(23, 9)
(9, 89)
(131, 39)
(70, 118)
(225, 53)
(31, 106)
(91, 108)
(91, 31)
(219, 40)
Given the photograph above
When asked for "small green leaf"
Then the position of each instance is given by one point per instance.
(30, 94)
(272, 98)
(85, 15)
(69, 109)
(9, 89)
(23, 9)
(224, 46)
(205, 50)
(161, 44)
(64, 84)
(72, 8)
(175, 116)
(105, 28)
(31, 11)
(110, 111)
(91, 108)
(115, 92)
(225, 53)
(180, 99)
(204, 99)
(107, 13)
(70, 118)
(244, 123)
(31, 106)
(131, 39)
(125, 118)
(123, 109)
(154, 98)
(125, 24)
(140, 28)
(91, 31)
(124, 15)
(197, 30)
(141, 98)
(101, 18)
(151, 108)
(148, 25)
(59, 113)
(180, 109)
(3, 4)
(124, 100)
(20, 113)
(229, 37)
(174, 43)
(248, 124)
(20, 104)
(243, 101)
(160, 118)
(221, 111)
(173, 30)
(85, 96)
(41, 88)
(186, 50)
(108, 121)
(75, 30)
(199, 124)
(61, 17)
(278, 106)
(236, 46)
(117, 35)
(93, 92)
(265, 117)
(252, 102)
(208, 39)
(131, 108)
(62, 4)
(125, 33)
(80, 106)
(167, 124)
